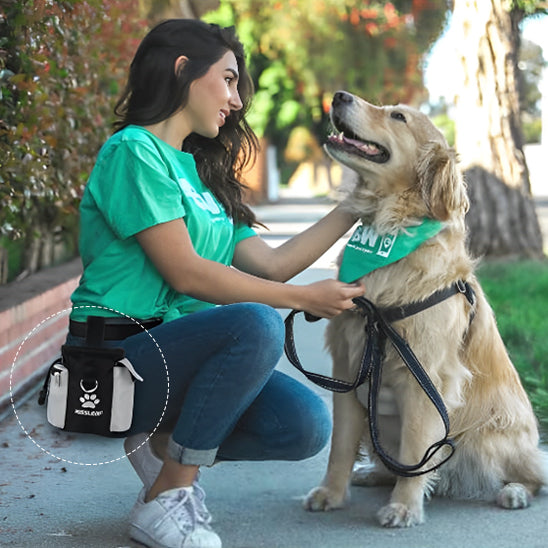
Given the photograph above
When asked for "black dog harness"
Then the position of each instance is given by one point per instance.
(378, 330)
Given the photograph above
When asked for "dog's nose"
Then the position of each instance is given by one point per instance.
(342, 98)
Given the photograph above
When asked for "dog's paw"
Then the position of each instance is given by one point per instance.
(396, 514)
(323, 499)
(369, 476)
(513, 496)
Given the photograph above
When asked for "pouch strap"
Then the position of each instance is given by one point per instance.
(115, 329)
(95, 331)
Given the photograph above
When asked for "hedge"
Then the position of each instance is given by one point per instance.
(62, 67)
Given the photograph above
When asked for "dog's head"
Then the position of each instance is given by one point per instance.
(397, 152)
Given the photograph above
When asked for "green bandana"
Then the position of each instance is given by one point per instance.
(366, 250)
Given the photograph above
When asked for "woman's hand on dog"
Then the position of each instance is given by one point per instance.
(328, 298)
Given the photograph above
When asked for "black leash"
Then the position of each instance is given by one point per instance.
(378, 330)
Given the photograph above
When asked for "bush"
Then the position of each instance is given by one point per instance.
(532, 130)
(62, 64)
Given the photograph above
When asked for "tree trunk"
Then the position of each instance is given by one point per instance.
(502, 218)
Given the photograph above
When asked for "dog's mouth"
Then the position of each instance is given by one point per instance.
(346, 140)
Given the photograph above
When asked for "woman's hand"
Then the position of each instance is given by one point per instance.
(327, 298)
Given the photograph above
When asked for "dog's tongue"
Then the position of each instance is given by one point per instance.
(368, 148)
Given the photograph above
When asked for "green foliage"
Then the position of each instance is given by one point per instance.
(532, 130)
(62, 63)
(302, 51)
(518, 291)
(446, 125)
(531, 65)
(530, 7)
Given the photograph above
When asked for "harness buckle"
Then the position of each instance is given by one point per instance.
(465, 288)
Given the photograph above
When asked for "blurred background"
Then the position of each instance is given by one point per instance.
(477, 71)
(477, 68)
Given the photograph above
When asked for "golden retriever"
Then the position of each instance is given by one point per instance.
(404, 171)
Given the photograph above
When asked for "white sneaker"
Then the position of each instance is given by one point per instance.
(171, 520)
(147, 465)
(141, 456)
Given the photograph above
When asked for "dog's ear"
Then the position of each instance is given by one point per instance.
(440, 182)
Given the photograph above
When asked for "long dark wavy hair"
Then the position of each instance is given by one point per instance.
(154, 92)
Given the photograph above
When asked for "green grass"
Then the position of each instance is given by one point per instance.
(518, 293)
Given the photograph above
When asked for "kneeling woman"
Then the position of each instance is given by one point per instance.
(165, 236)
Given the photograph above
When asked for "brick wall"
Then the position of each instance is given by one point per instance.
(33, 325)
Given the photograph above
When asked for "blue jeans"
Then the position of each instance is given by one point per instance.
(225, 399)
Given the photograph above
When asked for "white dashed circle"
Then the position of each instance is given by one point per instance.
(89, 399)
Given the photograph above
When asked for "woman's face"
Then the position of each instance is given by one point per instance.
(213, 97)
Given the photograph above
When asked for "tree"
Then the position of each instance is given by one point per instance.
(302, 51)
(157, 10)
(502, 218)
(531, 65)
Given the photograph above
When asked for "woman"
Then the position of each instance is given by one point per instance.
(162, 218)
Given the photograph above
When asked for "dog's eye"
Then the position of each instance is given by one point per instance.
(398, 116)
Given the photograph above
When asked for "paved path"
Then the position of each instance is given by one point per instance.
(47, 501)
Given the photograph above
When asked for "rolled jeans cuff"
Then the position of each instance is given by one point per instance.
(196, 457)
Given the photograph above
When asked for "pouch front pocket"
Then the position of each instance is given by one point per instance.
(122, 399)
(57, 395)
(123, 387)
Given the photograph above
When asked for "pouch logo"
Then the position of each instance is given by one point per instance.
(89, 401)
(367, 240)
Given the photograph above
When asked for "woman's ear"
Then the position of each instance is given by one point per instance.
(440, 182)
(180, 64)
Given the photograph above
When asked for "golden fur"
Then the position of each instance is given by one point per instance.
(404, 172)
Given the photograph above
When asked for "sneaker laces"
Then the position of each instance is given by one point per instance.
(180, 506)
(204, 517)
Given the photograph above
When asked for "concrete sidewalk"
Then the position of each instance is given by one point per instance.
(47, 500)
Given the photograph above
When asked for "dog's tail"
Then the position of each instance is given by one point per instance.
(497, 424)
(497, 395)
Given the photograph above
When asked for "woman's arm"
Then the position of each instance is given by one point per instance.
(169, 247)
(281, 263)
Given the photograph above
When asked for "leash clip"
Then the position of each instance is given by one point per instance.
(465, 288)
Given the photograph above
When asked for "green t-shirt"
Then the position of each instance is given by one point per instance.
(140, 181)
